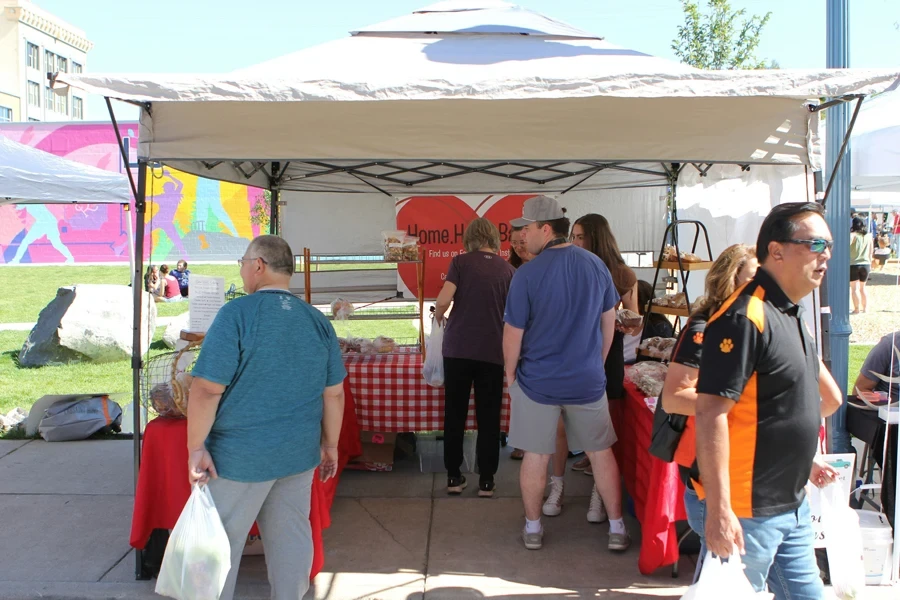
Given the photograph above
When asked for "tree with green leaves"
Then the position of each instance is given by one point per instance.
(720, 37)
(260, 211)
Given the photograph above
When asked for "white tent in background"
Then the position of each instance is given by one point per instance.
(875, 145)
(31, 176)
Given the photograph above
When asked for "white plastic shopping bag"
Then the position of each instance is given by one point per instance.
(198, 555)
(723, 579)
(433, 369)
(843, 543)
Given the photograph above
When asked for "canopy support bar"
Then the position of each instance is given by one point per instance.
(112, 116)
(840, 156)
(136, 363)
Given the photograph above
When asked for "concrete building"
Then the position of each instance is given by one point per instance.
(34, 43)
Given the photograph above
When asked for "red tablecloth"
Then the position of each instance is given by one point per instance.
(163, 487)
(392, 396)
(653, 485)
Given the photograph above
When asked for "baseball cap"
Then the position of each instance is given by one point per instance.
(539, 208)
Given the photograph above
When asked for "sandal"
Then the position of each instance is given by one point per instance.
(517, 454)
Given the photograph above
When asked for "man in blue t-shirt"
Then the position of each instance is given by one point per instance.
(265, 409)
(560, 318)
(183, 275)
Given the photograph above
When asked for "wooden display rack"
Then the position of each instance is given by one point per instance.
(682, 267)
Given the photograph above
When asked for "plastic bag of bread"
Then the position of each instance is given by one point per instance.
(341, 309)
(393, 245)
(384, 345)
(367, 347)
(410, 248)
(163, 401)
(629, 318)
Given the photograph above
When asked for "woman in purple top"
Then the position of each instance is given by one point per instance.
(477, 284)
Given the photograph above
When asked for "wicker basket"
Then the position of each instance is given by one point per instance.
(166, 380)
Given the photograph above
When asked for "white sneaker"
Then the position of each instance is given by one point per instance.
(553, 505)
(596, 511)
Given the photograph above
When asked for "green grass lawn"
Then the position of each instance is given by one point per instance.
(858, 353)
(23, 386)
(27, 290)
(35, 287)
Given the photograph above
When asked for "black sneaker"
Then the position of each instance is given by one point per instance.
(455, 485)
(486, 489)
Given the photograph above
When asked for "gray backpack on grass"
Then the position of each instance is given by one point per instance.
(80, 419)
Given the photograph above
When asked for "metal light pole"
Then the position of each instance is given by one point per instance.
(837, 282)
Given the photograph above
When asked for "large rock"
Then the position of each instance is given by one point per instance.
(173, 329)
(88, 322)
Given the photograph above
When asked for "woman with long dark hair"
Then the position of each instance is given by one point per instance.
(861, 256)
(593, 233)
(519, 254)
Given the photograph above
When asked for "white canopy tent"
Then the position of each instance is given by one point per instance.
(31, 176)
(876, 145)
(474, 97)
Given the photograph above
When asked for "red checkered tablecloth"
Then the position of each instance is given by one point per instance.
(391, 395)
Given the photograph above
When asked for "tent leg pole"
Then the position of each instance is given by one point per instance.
(273, 213)
(138, 289)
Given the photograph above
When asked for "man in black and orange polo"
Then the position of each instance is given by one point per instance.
(759, 409)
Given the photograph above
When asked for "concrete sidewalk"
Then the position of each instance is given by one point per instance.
(67, 512)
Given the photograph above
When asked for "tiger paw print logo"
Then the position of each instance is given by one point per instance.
(698, 338)
(726, 346)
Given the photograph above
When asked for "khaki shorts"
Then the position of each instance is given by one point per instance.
(532, 426)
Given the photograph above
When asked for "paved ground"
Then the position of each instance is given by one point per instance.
(65, 510)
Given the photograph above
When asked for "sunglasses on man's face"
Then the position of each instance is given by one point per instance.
(816, 246)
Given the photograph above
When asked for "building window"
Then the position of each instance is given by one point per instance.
(77, 108)
(62, 64)
(5, 114)
(49, 61)
(76, 67)
(34, 94)
(32, 56)
(62, 104)
(48, 98)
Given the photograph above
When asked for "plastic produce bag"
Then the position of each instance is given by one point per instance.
(843, 543)
(198, 555)
(723, 579)
(433, 369)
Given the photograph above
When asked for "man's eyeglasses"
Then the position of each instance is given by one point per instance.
(817, 246)
(240, 261)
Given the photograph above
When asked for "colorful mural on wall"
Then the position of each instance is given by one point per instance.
(188, 217)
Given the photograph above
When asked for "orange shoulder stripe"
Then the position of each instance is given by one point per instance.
(727, 304)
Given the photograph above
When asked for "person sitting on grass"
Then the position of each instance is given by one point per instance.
(172, 291)
(182, 274)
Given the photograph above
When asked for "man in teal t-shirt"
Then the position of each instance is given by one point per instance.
(265, 409)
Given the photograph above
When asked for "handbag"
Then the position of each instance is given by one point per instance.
(666, 434)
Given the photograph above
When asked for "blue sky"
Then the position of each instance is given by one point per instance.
(211, 36)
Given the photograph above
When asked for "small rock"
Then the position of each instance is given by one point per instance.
(13, 419)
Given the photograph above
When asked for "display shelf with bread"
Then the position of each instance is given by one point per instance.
(674, 265)
(672, 312)
(394, 308)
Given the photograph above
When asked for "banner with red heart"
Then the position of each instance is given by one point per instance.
(439, 223)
